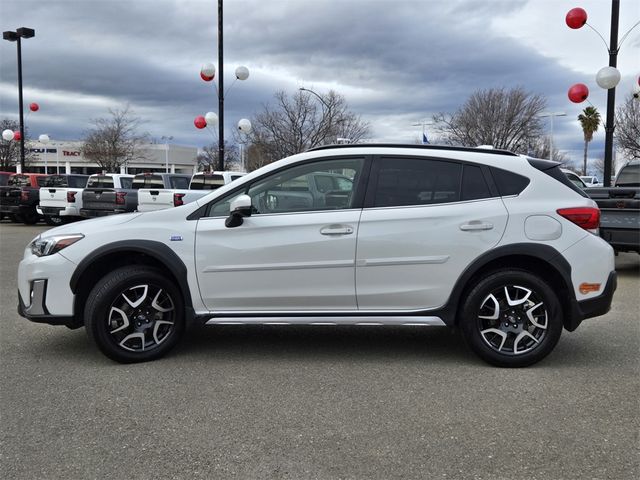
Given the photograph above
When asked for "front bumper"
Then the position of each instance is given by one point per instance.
(37, 310)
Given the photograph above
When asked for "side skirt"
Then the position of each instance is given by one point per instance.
(364, 320)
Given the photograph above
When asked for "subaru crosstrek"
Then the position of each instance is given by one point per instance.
(502, 246)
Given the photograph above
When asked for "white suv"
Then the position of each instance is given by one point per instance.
(503, 246)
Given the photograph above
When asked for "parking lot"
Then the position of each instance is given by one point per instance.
(317, 402)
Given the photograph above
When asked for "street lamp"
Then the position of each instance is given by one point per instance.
(551, 115)
(327, 109)
(11, 36)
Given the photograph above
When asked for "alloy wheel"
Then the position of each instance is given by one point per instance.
(513, 320)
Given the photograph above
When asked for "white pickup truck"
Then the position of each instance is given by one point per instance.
(63, 203)
(150, 199)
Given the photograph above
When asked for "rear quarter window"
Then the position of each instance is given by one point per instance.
(509, 183)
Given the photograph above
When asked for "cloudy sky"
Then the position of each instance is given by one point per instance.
(396, 61)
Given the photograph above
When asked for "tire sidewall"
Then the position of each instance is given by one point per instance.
(471, 307)
(107, 290)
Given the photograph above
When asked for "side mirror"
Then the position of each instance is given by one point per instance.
(240, 208)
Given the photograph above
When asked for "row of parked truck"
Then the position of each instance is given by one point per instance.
(58, 199)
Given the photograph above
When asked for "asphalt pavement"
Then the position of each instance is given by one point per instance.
(317, 402)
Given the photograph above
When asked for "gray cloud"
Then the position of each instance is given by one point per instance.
(397, 62)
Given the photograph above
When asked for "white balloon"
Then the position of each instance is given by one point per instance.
(211, 118)
(244, 125)
(608, 77)
(7, 135)
(242, 73)
(44, 138)
(208, 69)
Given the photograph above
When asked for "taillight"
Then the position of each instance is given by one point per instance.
(120, 198)
(24, 196)
(71, 197)
(177, 199)
(585, 217)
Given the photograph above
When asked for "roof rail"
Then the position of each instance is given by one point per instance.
(416, 146)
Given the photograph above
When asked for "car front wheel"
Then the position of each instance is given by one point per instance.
(135, 314)
(512, 318)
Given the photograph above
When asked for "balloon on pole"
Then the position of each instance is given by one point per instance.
(200, 122)
(576, 18)
(7, 135)
(242, 73)
(244, 125)
(17, 136)
(211, 118)
(44, 138)
(578, 93)
(34, 107)
(207, 72)
(608, 77)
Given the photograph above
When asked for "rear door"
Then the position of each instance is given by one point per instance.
(425, 220)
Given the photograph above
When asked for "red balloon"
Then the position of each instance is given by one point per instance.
(205, 78)
(17, 136)
(200, 122)
(578, 93)
(34, 107)
(576, 18)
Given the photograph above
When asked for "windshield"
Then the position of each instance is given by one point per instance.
(629, 176)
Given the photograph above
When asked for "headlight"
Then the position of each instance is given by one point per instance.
(42, 247)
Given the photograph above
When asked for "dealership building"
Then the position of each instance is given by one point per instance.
(66, 157)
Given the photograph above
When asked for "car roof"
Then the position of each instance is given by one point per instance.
(415, 146)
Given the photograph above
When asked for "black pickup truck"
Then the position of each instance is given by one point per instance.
(620, 209)
(20, 197)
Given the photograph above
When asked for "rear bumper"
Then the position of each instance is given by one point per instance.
(593, 307)
(622, 239)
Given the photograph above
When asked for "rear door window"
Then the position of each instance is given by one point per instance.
(416, 181)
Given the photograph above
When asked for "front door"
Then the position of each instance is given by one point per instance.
(296, 252)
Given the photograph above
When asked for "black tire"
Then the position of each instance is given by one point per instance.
(15, 218)
(54, 221)
(138, 330)
(527, 327)
(30, 218)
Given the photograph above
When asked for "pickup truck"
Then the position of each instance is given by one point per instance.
(61, 198)
(200, 185)
(620, 209)
(58, 197)
(19, 198)
(108, 194)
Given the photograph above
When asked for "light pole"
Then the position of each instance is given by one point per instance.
(607, 77)
(327, 109)
(44, 139)
(551, 115)
(11, 36)
(166, 151)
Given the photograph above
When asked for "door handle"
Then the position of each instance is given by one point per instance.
(476, 225)
(336, 230)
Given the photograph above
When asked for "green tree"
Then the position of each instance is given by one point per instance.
(589, 121)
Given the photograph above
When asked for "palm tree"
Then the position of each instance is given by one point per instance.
(590, 121)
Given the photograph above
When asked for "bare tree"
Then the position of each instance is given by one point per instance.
(539, 148)
(115, 141)
(505, 119)
(209, 158)
(628, 127)
(302, 121)
(10, 150)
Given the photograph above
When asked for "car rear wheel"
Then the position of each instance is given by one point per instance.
(30, 217)
(512, 318)
(135, 314)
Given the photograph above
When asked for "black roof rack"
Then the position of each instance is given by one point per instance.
(417, 146)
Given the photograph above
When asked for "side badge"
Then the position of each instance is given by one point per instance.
(176, 238)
